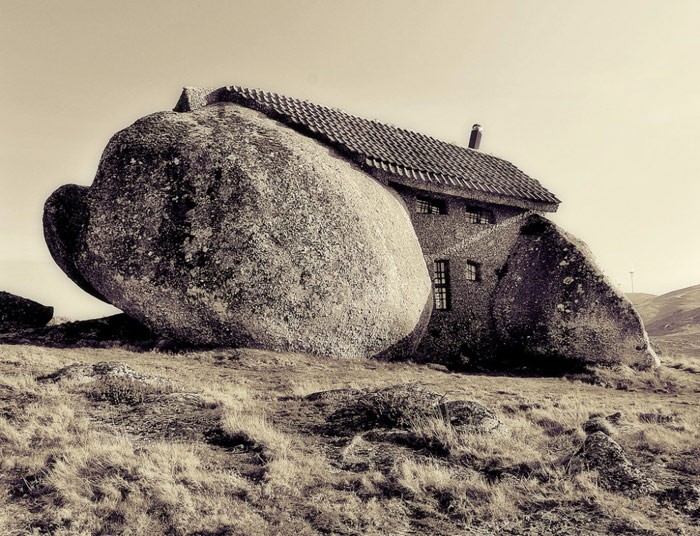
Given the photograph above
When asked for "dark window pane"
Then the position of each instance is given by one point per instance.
(427, 205)
(479, 215)
(441, 285)
(473, 271)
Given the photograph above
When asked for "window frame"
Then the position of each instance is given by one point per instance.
(442, 299)
(480, 215)
(473, 271)
(440, 205)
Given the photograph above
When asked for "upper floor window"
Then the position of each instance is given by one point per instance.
(441, 285)
(429, 205)
(479, 215)
(473, 271)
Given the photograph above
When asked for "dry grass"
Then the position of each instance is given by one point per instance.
(65, 469)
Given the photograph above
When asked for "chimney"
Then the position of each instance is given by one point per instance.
(475, 138)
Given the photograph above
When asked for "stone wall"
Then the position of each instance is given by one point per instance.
(464, 331)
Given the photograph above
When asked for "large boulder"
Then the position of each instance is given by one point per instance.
(553, 303)
(222, 226)
(17, 313)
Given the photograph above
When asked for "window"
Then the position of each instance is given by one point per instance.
(441, 285)
(479, 215)
(473, 271)
(428, 205)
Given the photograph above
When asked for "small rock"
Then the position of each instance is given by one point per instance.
(616, 471)
(85, 372)
(470, 417)
(438, 367)
(614, 418)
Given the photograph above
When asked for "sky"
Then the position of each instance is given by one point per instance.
(598, 100)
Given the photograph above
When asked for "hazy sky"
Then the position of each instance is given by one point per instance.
(598, 100)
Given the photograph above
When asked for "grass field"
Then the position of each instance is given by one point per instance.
(228, 443)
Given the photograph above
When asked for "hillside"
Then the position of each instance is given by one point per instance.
(248, 442)
(672, 319)
(673, 312)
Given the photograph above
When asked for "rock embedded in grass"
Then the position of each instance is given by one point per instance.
(469, 417)
(86, 372)
(617, 473)
(598, 423)
(403, 407)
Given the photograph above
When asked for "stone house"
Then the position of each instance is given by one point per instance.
(465, 205)
(508, 285)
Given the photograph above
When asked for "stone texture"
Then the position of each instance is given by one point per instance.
(66, 216)
(597, 423)
(17, 313)
(469, 417)
(223, 227)
(552, 302)
(616, 471)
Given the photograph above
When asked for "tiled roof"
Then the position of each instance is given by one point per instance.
(416, 158)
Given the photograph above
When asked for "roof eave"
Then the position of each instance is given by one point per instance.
(475, 195)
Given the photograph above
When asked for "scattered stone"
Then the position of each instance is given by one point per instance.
(390, 413)
(655, 418)
(438, 367)
(554, 304)
(17, 313)
(615, 418)
(221, 226)
(469, 417)
(86, 372)
(617, 473)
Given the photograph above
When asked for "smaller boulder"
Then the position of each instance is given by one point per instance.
(399, 408)
(616, 471)
(17, 313)
(469, 417)
(554, 308)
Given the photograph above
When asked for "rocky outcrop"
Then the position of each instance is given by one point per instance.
(223, 227)
(552, 302)
(17, 313)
